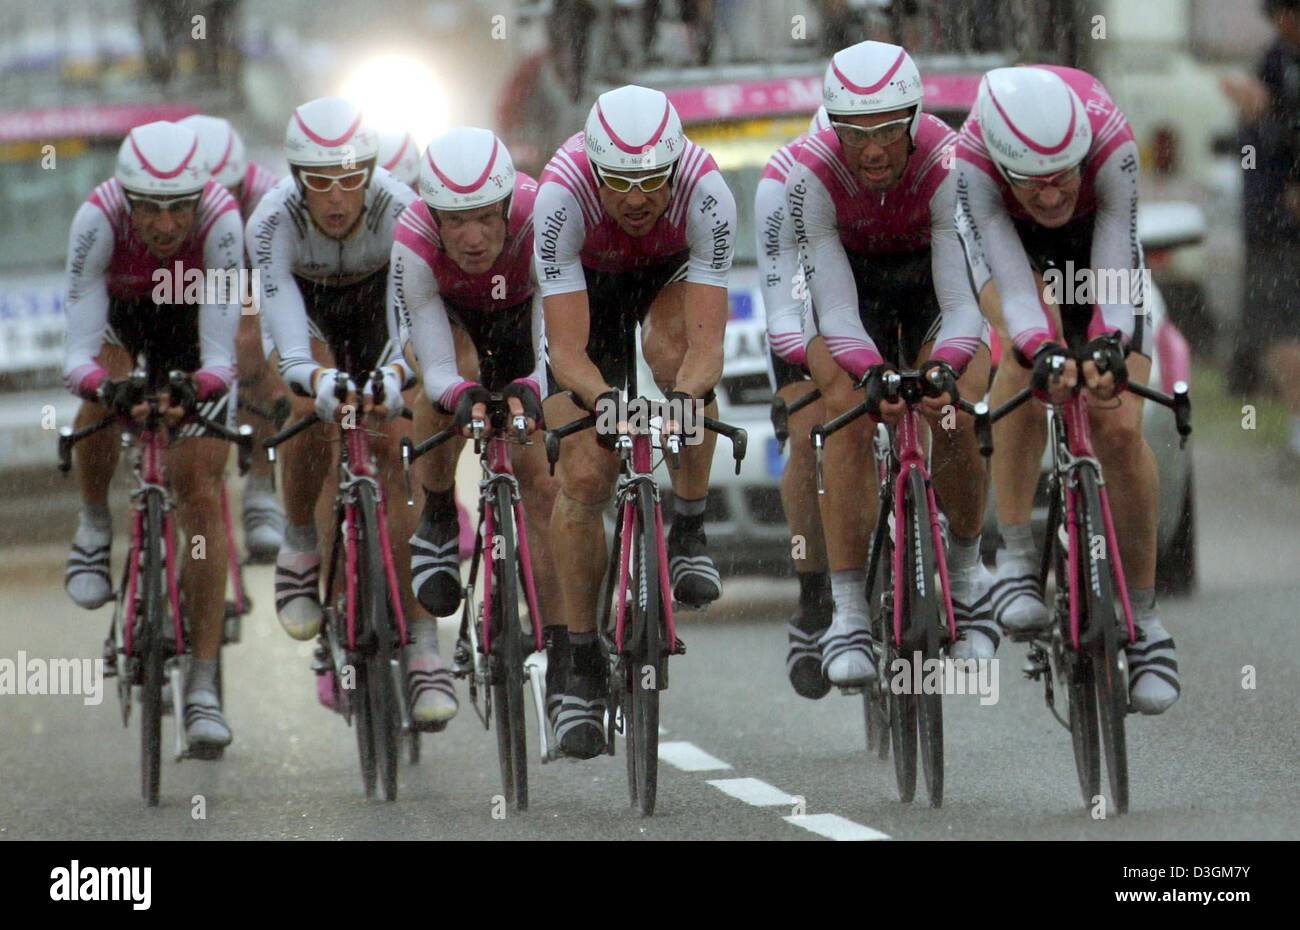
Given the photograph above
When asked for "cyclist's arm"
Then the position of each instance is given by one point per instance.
(994, 251)
(558, 234)
(397, 316)
(270, 244)
(828, 273)
(1115, 246)
(223, 250)
(711, 237)
(90, 249)
(961, 324)
(779, 273)
(426, 316)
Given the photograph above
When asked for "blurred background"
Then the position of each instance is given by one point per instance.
(77, 74)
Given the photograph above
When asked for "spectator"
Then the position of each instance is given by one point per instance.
(1269, 332)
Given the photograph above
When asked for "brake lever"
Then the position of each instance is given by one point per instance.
(406, 447)
(818, 439)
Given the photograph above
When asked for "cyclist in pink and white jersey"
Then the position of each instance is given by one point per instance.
(1048, 185)
(158, 218)
(221, 151)
(785, 300)
(461, 279)
(400, 157)
(871, 201)
(633, 222)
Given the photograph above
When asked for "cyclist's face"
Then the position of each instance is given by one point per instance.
(1052, 205)
(877, 167)
(636, 212)
(473, 238)
(335, 211)
(163, 232)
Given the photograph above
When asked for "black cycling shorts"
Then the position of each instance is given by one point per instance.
(351, 319)
(1053, 248)
(784, 374)
(896, 303)
(617, 297)
(503, 340)
(165, 338)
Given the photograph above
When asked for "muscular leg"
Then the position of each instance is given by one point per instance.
(259, 384)
(87, 574)
(539, 490)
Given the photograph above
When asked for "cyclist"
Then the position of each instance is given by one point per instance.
(462, 282)
(1048, 175)
(871, 200)
(400, 157)
(321, 240)
(784, 298)
(159, 214)
(633, 221)
(222, 152)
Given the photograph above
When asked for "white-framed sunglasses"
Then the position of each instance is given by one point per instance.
(153, 206)
(856, 137)
(621, 184)
(324, 183)
(1035, 183)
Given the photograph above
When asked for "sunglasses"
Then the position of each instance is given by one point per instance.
(1036, 183)
(857, 137)
(621, 184)
(324, 183)
(150, 207)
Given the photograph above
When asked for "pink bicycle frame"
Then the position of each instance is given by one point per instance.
(907, 445)
(152, 472)
(359, 462)
(499, 464)
(642, 464)
(1079, 436)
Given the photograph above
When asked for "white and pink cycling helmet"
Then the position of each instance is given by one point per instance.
(872, 77)
(220, 148)
(400, 156)
(1032, 121)
(326, 132)
(633, 128)
(161, 160)
(464, 169)
(819, 122)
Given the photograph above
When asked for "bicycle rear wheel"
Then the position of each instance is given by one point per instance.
(507, 657)
(644, 659)
(926, 611)
(1109, 682)
(151, 649)
(385, 713)
(875, 700)
(1078, 670)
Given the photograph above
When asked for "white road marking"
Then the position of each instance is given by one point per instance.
(689, 758)
(753, 791)
(835, 827)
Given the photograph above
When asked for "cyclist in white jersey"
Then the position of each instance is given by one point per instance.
(321, 241)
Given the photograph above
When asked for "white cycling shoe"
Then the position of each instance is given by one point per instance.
(846, 650)
(1153, 681)
(297, 593)
(972, 608)
(1016, 599)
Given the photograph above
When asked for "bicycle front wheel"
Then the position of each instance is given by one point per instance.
(385, 713)
(928, 620)
(645, 666)
(151, 650)
(507, 661)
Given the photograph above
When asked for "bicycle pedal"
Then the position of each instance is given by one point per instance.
(679, 647)
(204, 752)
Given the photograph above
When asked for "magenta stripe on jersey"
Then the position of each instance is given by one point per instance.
(1040, 149)
(634, 149)
(472, 185)
(165, 175)
(321, 140)
(873, 88)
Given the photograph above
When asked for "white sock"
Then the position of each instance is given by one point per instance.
(963, 554)
(301, 538)
(97, 520)
(1018, 539)
(849, 590)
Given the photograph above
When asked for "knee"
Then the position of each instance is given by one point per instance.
(586, 484)
(1119, 439)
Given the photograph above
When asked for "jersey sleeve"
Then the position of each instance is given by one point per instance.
(271, 246)
(828, 273)
(961, 325)
(537, 378)
(413, 288)
(559, 231)
(994, 251)
(710, 230)
(223, 250)
(1116, 251)
(90, 249)
(780, 274)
